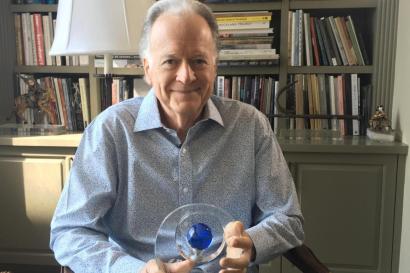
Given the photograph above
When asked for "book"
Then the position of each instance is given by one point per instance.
(322, 50)
(243, 25)
(355, 42)
(39, 38)
(338, 41)
(19, 39)
(85, 101)
(355, 104)
(326, 43)
(347, 46)
(314, 42)
(308, 39)
(332, 40)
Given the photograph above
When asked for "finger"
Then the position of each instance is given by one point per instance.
(244, 241)
(230, 270)
(180, 267)
(238, 263)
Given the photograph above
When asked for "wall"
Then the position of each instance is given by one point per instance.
(400, 119)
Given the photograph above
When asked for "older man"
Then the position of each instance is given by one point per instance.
(143, 158)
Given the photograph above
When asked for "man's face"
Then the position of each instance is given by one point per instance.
(182, 66)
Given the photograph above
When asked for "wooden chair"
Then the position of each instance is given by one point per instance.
(302, 257)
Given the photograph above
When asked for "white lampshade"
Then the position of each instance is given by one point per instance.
(86, 27)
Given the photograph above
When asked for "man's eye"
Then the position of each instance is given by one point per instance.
(200, 61)
(169, 62)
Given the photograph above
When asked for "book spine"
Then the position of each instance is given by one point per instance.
(237, 19)
(299, 36)
(33, 40)
(326, 44)
(355, 103)
(308, 40)
(19, 40)
(340, 103)
(243, 25)
(344, 40)
(314, 42)
(332, 39)
(322, 50)
(39, 38)
(353, 37)
(338, 41)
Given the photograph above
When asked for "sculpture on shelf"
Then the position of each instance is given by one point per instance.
(36, 98)
(379, 121)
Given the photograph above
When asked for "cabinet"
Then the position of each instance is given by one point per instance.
(350, 192)
(32, 171)
(351, 195)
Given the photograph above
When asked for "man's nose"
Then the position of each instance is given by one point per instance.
(185, 74)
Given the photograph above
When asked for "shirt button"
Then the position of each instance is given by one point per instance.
(185, 190)
(183, 150)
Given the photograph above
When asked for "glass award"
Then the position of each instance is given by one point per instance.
(193, 231)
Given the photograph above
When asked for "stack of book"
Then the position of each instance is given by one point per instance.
(122, 89)
(259, 91)
(34, 36)
(328, 41)
(246, 38)
(329, 95)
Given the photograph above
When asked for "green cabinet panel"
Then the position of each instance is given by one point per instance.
(348, 201)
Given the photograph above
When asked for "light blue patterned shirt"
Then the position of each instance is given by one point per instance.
(130, 171)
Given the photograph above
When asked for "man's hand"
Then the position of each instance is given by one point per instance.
(239, 251)
(156, 266)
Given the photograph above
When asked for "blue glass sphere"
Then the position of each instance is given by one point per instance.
(199, 236)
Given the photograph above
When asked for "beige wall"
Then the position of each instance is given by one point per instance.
(401, 117)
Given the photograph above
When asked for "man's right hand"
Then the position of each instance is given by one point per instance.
(152, 266)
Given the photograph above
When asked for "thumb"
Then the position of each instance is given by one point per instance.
(233, 230)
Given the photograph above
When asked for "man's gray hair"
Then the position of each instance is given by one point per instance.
(176, 7)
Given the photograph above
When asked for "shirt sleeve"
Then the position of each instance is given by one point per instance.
(79, 236)
(277, 216)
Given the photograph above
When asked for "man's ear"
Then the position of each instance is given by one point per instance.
(147, 68)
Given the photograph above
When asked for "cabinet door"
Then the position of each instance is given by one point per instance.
(348, 205)
(29, 191)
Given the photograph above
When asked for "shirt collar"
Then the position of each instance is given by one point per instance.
(149, 117)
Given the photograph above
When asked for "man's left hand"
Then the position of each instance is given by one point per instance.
(239, 250)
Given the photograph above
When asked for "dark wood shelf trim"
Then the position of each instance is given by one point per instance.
(246, 6)
(34, 8)
(122, 71)
(332, 4)
(52, 69)
(330, 69)
(248, 70)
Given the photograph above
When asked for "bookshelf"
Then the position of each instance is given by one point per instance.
(322, 169)
(379, 73)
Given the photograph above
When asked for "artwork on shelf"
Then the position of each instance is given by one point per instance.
(36, 98)
(380, 126)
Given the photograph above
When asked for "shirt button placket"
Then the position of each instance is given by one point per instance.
(185, 182)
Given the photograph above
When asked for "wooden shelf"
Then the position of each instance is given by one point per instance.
(332, 4)
(330, 69)
(52, 69)
(248, 70)
(34, 8)
(246, 6)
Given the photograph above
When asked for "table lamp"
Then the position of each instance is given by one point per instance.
(99, 27)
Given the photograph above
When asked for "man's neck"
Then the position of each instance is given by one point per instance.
(180, 123)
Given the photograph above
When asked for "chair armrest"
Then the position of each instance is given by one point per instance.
(305, 260)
